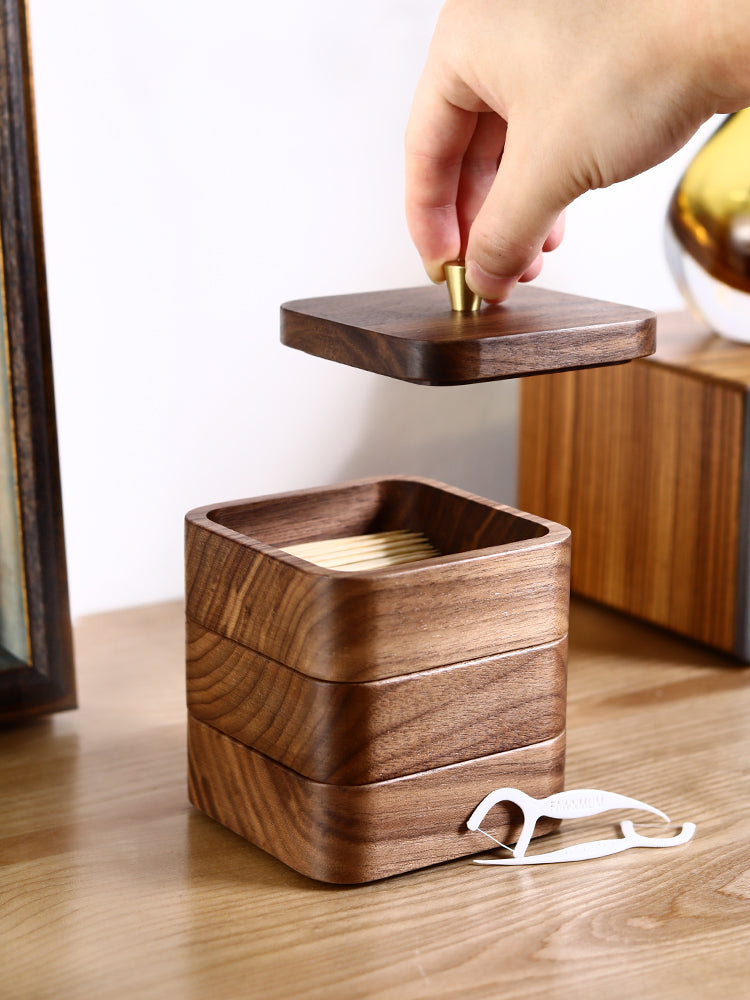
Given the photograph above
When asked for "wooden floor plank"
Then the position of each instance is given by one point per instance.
(111, 885)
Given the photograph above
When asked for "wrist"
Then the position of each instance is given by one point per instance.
(720, 36)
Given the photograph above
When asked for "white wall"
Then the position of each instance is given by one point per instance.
(202, 163)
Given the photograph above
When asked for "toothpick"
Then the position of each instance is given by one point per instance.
(360, 552)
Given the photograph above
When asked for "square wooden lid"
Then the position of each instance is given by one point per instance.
(411, 334)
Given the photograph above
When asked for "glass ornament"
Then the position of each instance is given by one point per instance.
(708, 230)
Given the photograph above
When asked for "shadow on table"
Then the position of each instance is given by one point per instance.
(596, 629)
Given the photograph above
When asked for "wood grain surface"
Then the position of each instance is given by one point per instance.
(111, 885)
(412, 334)
(357, 733)
(688, 346)
(647, 466)
(358, 833)
(502, 583)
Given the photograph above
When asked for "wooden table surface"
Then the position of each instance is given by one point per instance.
(111, 885)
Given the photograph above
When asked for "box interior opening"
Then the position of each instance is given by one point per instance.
(453, 523)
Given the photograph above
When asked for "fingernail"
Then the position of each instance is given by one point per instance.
(489, 286)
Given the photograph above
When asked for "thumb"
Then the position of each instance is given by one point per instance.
(521, 208)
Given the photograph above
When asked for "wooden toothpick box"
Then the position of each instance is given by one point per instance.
(347, 720)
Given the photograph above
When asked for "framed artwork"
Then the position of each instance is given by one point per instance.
(36, 656)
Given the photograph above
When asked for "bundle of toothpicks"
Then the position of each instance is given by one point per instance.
(360, 552)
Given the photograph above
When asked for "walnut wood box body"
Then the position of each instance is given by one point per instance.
(649, 466)
(348, 722)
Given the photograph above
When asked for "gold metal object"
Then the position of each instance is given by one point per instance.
(710, 210)
(462, 298)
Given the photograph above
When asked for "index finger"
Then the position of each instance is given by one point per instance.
(437, 137)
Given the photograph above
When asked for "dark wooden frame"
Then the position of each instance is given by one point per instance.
(46, 682)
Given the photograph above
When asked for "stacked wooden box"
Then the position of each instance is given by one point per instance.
(349, 721)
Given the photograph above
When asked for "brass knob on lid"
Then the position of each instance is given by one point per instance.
(462, 298)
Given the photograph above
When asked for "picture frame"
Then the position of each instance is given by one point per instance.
(36, 649)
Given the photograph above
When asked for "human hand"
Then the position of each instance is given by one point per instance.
(524, 106)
